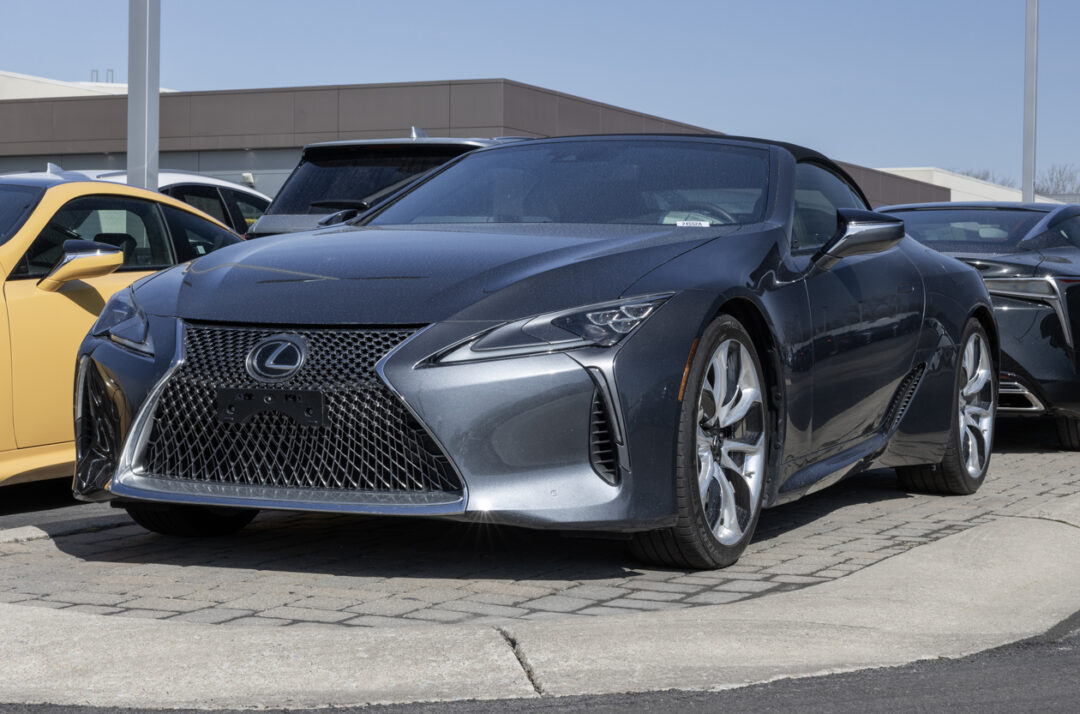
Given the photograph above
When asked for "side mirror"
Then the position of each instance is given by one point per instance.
(341, 216)
(82, 259)
(859, 233)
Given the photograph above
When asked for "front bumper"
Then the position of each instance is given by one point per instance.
(1039, 372)
(519, 433)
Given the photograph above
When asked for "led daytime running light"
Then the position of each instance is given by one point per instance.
(624, 318)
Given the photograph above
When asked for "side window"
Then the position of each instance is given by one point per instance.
(205, 198)
(133, 225)
(818, 193)
(193, 236)
(245, 207)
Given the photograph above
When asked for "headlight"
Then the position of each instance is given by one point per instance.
(601, 325)
(124, 322)
(1031, 288)
(1046, 290)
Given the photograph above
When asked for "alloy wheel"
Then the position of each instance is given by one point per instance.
(730, 442)
(975, 405)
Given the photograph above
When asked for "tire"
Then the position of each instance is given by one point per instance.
(1068, 429)
(962, 469)
(176, 520)
(722, 457)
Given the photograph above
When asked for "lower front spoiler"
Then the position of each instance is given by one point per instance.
(609, 516)
(148, 488)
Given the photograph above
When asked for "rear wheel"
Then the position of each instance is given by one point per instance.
(967, 456)
(722, 455)
(178, 520)
(1068, 429)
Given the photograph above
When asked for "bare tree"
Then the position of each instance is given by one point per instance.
(988, 175)
(1058, 179)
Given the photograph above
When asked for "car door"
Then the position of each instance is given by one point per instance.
(865, 313)
(46, 327)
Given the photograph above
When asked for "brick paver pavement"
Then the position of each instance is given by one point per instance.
(290, 569)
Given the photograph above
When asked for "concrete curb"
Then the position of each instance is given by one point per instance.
(993, 584)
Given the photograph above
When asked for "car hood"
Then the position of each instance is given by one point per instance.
(417, 276)
(1023, 264)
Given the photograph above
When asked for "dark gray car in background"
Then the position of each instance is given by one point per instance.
(655, 334)
(1029, 257)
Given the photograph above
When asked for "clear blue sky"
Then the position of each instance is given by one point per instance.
(876, 82)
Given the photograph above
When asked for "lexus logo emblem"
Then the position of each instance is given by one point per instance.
(277, 358)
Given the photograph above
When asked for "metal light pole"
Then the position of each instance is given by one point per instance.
(1031, 92)
(144, 58)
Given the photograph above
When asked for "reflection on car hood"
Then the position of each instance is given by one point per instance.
(418, 276)
(273, 224)
(1022, 264)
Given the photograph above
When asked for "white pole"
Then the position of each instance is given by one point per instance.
(144, 57)
(1031, 95)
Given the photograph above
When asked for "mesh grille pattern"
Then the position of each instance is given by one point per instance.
(369, 442)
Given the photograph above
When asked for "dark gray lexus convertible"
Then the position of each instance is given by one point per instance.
(651, 334)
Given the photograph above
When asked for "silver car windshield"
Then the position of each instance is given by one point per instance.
(970, 230)
(624, 181)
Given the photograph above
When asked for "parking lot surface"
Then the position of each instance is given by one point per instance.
(290, 569)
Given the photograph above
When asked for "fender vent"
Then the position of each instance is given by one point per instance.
(602, 453)
(902, 399)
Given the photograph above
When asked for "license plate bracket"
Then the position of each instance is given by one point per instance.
(305, 407)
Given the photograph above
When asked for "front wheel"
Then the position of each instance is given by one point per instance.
(181, 520)
(722, 457)
(967, 455)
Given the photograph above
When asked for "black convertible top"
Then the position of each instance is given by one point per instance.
(801, 153)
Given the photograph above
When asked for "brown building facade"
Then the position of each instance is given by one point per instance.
(259, 132)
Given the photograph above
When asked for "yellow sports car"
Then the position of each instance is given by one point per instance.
(66, 245)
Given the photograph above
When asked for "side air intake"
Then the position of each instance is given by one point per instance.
(902, 398)
(602, 452)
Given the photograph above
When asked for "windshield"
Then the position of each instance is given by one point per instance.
(16, 203)
(331, 178)
(970, 230)
(629, 181)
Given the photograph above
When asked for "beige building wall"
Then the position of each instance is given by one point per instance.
(24, 86)
(963, 188)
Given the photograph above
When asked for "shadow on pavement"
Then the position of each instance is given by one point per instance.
(374, 547)
(37, 496)
(389, 547)
(869, 487)
(1031, 435)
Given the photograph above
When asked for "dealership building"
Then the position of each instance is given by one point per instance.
(254, 136)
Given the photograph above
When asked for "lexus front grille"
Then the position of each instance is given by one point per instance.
(367, 440)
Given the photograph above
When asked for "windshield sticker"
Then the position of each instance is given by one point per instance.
(693, 224)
